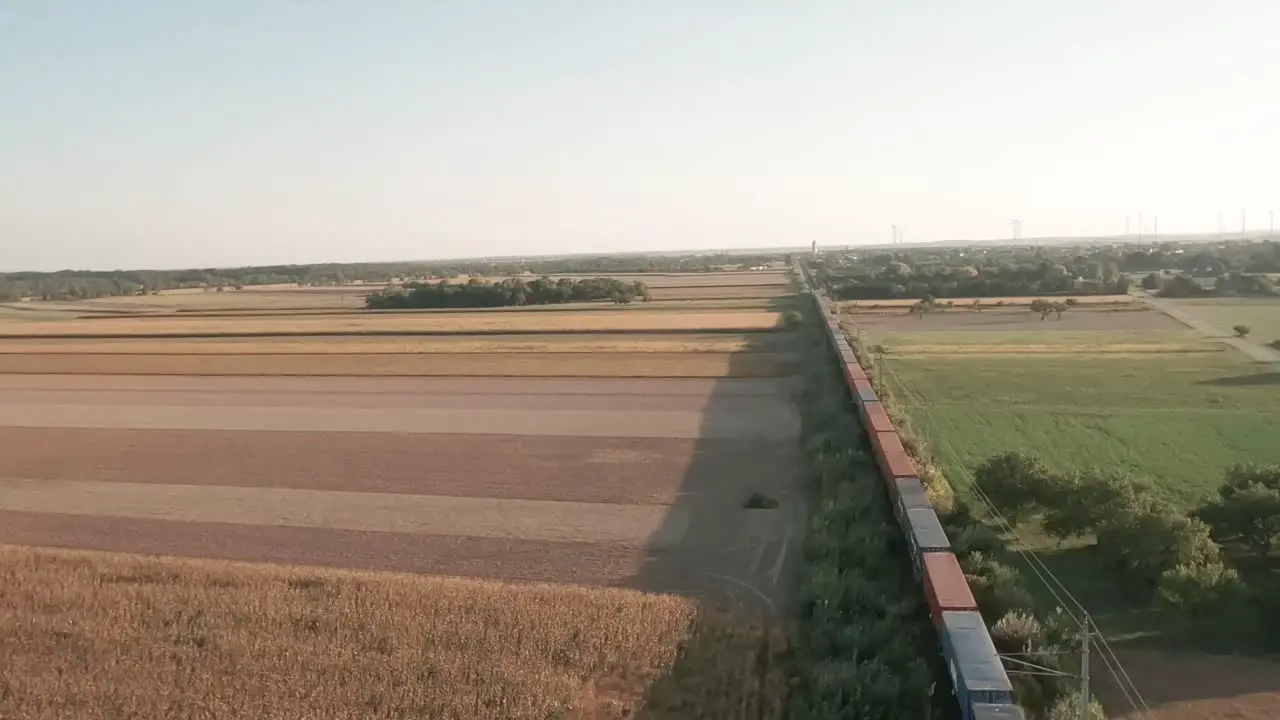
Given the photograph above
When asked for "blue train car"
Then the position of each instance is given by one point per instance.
(985, 711)
(925, 534)
(976, 673)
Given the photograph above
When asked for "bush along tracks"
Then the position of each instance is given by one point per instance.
(864, 648)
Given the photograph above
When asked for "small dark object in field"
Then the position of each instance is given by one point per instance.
(760, 501)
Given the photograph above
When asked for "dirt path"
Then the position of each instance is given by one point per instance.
(1253, 350)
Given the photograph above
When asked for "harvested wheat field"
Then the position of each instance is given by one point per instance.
(712, 292)
(513, 364)
(375, 345)
(442, 515)
(406, 324)
(625, 482)
(90, 635)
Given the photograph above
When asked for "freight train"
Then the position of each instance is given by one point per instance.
(981, 685)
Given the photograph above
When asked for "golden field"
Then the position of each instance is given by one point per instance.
(95, 635)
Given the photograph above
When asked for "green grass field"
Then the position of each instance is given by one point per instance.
(1168, 407)
(1164, 406)
(1261, 315)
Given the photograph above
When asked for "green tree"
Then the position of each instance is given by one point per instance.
(1241, 331)
(1142, 545)
(1083, 502)
(1014, 482)
(1247, 509)
(1181, 286)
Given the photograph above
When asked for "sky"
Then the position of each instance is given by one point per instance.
(152, 133)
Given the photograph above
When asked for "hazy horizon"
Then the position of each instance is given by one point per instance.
(157, 134)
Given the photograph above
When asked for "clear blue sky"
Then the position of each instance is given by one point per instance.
(159, 133)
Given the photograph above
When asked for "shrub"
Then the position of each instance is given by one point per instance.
(975, 538)
(1241, 330)
(1198, 589)
(760, 501)
(996, 587)
(792, 320)
(1017, 632)
(1067, 707)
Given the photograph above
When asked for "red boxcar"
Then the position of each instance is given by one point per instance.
(853, 371)
(892, 457)
(876, 417)
(945, 588)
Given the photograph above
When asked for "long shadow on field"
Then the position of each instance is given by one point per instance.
(738, 515)
(1255, 380)
(730, 539)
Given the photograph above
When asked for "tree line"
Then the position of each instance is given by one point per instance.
(87, 284)
(883, 278)
(1240, 268)
(1235, 283)
(510, 292)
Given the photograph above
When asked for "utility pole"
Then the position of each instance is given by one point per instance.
(1139, 227)
(1219, 223)
(1242, 225)
(1085, 700)
(1272, 226)
(1155, 226)
(894, 241)
(1126, 226)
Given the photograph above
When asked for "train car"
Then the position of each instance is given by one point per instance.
(863, 392)
(987, 711)
(945, 587)
(908, 494)
(924, 535)
(892, 457)
(977, 675)
(875, 417)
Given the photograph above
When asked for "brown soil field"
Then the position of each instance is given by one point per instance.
(244, 299)
(354, 324)
(962, 303)
(613, 482)
(352, 345)
(1140, 319)
(714, 422)
(589, 564)
(644, 526)
(692, 387)
(641, 365)
(591, 470)
(1179, 686)
(91, 635)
